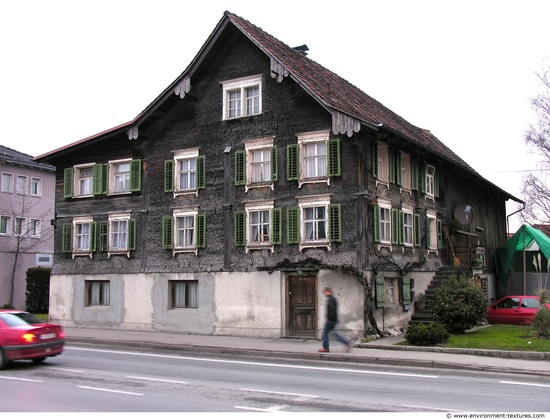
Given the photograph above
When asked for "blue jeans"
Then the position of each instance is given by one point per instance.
(330, 326)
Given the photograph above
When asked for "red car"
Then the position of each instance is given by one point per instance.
(24, 336)
(514, 309)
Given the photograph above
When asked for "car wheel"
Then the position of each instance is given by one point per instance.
(38, 360)
(3, 360)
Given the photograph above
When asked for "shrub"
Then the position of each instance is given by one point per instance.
(426, 334)
(541, 322)
(459, 304)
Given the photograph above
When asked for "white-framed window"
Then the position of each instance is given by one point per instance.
(242, 97)
(98, 293)
(184, 293)
(7, 182)
(408, 226)
(36, 187)
(83, 180)
(430, 180)
(119, 233)
(185, 229)
(186, 170)
(5, 225)
(21, 185)
(20, 224)
(261, 169)
(259, 228)
(82, 235)
(381, 162)
(432, 230)
(314, 220)
(392, 291)
(382, 222)
(34, 227)
(313, 156)
(119, 176)
(406, 182)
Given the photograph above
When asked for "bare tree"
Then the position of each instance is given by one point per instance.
(536, 184)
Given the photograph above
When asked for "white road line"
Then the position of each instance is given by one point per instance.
(156, 379)
(280, 393)
(110, 391)
(20, 379)
(67, 370)
(437, 409)
(254, 409)
(517, 383)
(222, 361)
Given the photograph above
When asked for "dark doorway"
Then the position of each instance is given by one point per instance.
(302, 306)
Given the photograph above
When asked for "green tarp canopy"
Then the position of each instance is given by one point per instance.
(527, 238)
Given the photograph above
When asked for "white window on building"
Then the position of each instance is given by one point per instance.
(121, 238)
(261, 163)
(184, 229)
(36, 187)
(98, 293)
(242, 97)
(313, 156)
(392, 291)
(5, 225)
(186, 170)
(19, 226)
(184, 293)
(406, 176)
(82, 230)
(381, 163)
(432, 232)
(119, 176)
(259, 229)
(408, 226)
(7, 182)
(430, 181)
(314, 220)
(83, 180)
(382, 222)
(34, 228)
(21, 185)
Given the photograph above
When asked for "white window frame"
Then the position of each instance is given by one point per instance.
(316, 201)
(432, 219)
(264, 145)
(391, 286)
(383, 163)
(255, 207)
(8, 225)
(77, 192)
(115, 175)
(20, 224)
(385, 222)
(34, 228)
(81, 221)
(408, 228)
(22, 188)
(430, 181)
(242, 86)
(7, 182)
(179, 294)
(181, 213)
(179, 156)
(406, 173)
(305, 141)
(119, 219)
(36, 183)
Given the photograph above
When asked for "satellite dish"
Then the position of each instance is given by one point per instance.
(464, 214)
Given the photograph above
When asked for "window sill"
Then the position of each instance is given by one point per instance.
(184, 192)
(312, 245)
(185, 250)
(258, 246)
(259, 185)
(82, 254)
(305, 181)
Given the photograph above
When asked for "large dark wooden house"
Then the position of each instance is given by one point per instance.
(254, 180)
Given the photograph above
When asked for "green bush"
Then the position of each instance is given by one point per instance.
(541, 322)
(459, 304)
(426, 334)
(38, 290)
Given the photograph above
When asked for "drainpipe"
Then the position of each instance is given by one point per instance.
(227, 208)
(508, 223)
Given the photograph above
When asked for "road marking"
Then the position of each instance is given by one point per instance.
(255, 409)
(20, 379)
(280, 393)
(265, 364)
(156, 379)
(110, 391)
(437, 409)
(517, 383)
(67, 370)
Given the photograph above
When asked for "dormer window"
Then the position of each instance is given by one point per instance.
(242, 97)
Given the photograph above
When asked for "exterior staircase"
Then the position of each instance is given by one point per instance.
(426, 315)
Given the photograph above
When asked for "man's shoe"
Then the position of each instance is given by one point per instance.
(349, 346)
(324, 350)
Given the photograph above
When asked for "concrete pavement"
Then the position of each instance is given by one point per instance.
(382, 352)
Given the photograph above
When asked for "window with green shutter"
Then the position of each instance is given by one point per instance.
(93, 236)
(240, 167)
(239, 233)
(201, 231)
(135, 175)
(293, 225)
(274, 164)
(398, 168)
(100, 178)
(292, 162)
(167, 232)
(376, 223)
(428, 233)
(439, 235)
(395, 226)
(131, 234)
(201, 173)
(103, 232)
(335, 223)
(276, 220)
(68, 179)
(334, 166)
(67, 238)
(380, 292)
(392, 163)
(375, 159)
(405, 291)
(169, 176)
(415, 174)
(417, 229)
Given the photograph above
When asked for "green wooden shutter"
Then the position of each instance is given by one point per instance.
(376, 223)
(334, 159)
(68, 178)
(131, 234)
(93, 236)
(276, 220)
(428, 233)
(414, 174)
(375, 159)
(398, 168)
(169, 176)
(293, 225)
(439, 235)
(394, 226)
(274, 164)
(380, 291)
(99, 179)
(239, 236)
(103, 236)
(401, 227)
(392, 168)
(201, 173)
(423, 168)
(200, 242)
(167, 232)
(417, 229)
(406, 291)
(436, 184)
(335, 223)
(240, 167)
(292, 162)
(67, 238)
(135, 175)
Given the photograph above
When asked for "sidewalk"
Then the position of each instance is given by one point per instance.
(381, 352)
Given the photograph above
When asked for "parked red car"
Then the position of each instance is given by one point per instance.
(514, 309)
(24, 336)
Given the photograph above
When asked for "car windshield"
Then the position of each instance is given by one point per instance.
(19, 319)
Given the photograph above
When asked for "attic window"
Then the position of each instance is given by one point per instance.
(242, 97)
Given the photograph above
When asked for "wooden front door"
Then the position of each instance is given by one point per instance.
(302, 304)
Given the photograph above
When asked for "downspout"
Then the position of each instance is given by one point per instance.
(227, 209)
(508, 223)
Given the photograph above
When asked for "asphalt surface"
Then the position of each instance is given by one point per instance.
(382, 351)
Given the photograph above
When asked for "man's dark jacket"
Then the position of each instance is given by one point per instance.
(332, 309)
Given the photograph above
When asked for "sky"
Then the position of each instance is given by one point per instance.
(465, 70)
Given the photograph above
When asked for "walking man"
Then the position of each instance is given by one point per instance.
(331, 321)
